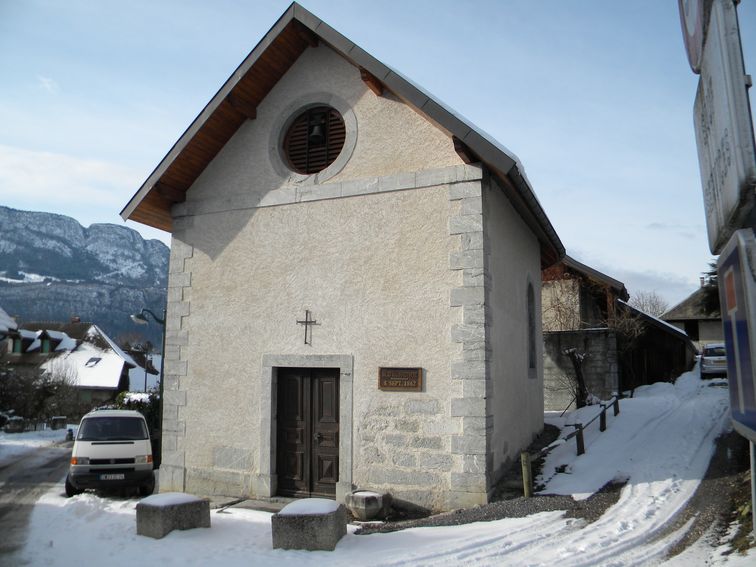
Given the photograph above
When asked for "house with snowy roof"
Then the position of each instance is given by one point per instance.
(7, 326)
(620, 347)
(372, 263)
(78, 352)
(691, 316)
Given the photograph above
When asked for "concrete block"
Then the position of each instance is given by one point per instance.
(468, 370)
(468, 482)
(474, 315)
(464, 296)
(472, 240)
(366, 505)
(433, 177)
(160, 514)
(466, 259)
(175, 398)
(427, 407)
(464, 190)
(466, 407)
(468, 333)
(472, 206)
(396, 182)
(465, 223)
(310, 523)
(359, 187)
(318, 192)
(469, 444)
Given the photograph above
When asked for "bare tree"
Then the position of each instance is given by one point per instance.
(649, 302)
(561, 305)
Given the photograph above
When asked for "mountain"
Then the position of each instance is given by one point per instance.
(52, 268)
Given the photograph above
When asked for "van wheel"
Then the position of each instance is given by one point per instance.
(148, 487)
(71, 490)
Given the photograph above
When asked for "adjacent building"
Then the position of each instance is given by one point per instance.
(585, 312)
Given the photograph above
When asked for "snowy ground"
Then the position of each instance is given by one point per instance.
(660, 443)
(15, 445)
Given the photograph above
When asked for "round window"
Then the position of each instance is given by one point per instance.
(314, 140)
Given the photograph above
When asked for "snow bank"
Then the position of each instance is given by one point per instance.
(661, 443)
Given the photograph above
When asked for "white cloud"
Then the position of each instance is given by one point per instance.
(48, 84)
(85, 189)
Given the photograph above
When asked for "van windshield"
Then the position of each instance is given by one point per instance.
(112, 429)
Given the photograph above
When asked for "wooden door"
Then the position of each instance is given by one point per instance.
(308, 431)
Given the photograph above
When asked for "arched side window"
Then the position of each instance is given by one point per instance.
(531, 328)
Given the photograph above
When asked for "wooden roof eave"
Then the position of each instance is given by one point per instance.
(496, 158)
(207, 112)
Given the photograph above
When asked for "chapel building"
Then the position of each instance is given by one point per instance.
(354, 289)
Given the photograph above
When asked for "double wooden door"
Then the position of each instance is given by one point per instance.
(308, 431)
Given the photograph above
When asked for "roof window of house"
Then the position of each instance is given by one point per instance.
(315, 139)
(92, 362)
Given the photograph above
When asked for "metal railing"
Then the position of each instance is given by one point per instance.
(526, 458)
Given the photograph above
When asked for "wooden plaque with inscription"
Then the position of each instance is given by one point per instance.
(400, 379)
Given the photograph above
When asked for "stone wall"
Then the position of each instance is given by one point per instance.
(600, 368)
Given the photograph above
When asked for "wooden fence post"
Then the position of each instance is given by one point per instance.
(602, 420)
(616, 406)
(579, 439)
(527, 475)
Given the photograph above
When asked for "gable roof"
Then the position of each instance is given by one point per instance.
(7, 323)
(691, 308)
(237, 100)
(593, 274)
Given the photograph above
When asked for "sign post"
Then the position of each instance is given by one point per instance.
(736, 270)
(727, 160)
(724, 134)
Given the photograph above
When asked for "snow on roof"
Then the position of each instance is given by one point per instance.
(6, 322)
(126, 358)
(137, 376)
(88, 366)
(657, 321)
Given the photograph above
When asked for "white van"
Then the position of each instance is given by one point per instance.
(112, 450)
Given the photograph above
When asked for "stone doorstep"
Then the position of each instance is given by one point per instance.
(160, 514)
(310, 531)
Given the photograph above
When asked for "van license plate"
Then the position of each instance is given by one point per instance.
(119, 476)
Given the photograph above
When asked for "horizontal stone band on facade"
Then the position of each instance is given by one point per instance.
(458, 174)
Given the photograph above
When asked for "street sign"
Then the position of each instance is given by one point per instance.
(724, 133)
(736, 270)
(692, 18)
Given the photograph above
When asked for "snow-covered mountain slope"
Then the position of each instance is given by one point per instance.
(52, 268)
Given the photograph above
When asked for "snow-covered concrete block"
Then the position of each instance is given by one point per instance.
(366, 505)
(160, 514)
(313, 524)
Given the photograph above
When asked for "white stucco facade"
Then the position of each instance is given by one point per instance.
(404, 255)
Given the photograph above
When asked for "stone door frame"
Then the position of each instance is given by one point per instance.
(266, 482)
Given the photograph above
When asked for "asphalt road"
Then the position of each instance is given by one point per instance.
(21, 484)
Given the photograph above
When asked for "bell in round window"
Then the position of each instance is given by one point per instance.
(314, 140)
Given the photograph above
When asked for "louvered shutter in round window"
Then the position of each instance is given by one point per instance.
(314, 139)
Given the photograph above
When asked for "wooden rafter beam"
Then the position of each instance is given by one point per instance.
(371, 81)
(464, 152)
(305, 33)
(242, 106)
(170, 193)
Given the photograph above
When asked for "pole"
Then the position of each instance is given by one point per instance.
(160, 389)
(579, 439)
(146, 362)
(753, 486)
(527, 475)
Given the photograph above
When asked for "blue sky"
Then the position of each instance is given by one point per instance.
(595, 97)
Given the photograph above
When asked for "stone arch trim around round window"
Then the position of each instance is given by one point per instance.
(301, 110)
